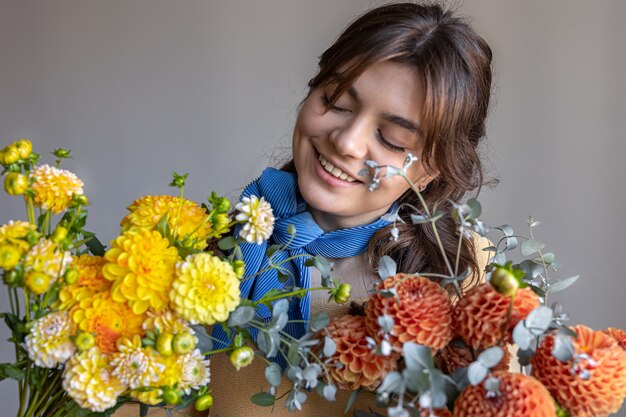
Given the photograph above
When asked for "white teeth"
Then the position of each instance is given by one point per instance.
(335, 171)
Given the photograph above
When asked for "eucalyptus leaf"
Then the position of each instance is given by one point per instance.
(318, 322)
(539, 320)
(548, 258)
(271, 250)
(293, 353)
(385, 322)
(352, 400)
(263, 399)
(521, 336)
(492, 384)
(280, 306)
(227, 243)
(241, 316)
(392, 217)
(392, 172)
(273, 374)
(330, 347)
(531, 246)
(391, 382)
(491, 357)
(329, 392)
(417, 356)
(387, 267)
(474, 204)
(562, 284)
(476, 373)
(418, 219)
(506, 229)
(563, 348)
(274, 343)
(525, 355)
(278, 322)
(204, 344)
(321, 264)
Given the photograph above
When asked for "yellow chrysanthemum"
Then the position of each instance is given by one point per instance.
(258, 219)
(141, 266)
(90, 281)
(205, 289)
(166, 321)
(14, 234)
(107, 319)
(54, 187)
(134, 365)
(89, 380)
(47, 257)
(49, 342)
(185, 218)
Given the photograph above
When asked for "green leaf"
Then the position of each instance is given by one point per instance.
(273, 374)
(548, 258)
(563, 348)
(417, 357)
(143, 410)
(8, 370)
(538, 320)
(96, 248)
(318, 322)
(330, 347)
(271, 250)
(241, 316)
(351, 400)
(263, 399)
(227, 243)
(476, 373)
(280, 306)
(490, 357)
(321, 264)
(562, 284)
(205, 344)
(531, 246)
(387, 267)
(474, 204)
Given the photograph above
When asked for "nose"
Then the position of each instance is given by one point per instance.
(350, 138)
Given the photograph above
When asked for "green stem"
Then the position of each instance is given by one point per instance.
(289, 294)
(212, 352)
(180, 207)
(274, 265)
(30, 210)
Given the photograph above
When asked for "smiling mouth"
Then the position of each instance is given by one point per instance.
(335, 171)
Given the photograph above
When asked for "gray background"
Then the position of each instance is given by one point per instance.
(139, 88)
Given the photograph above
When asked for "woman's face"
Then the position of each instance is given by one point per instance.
(376, 119)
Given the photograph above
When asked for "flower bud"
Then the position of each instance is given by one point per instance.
(242, 357)
(11, 278)
(71, 276)
(220, 223)
(61, 153)
(183, 343)
(37, 282)
(504, 281)
(239, 267)
(15, 183)
(10, 155)
(342, 293)
(204, 402)
(223, 205)
(9, 257)
(84, 341)
(164, 344)
(171, 396)
(24, 148)
(59, 234)
(80, 199)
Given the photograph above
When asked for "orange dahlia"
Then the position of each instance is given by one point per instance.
(354, 365)
(520, 396)
(458, 355)
(480, 316)
(185, 218)
(618, 334)
(422, 313)
(597, 354)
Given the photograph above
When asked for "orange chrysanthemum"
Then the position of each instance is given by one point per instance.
(520, 396)
(603, 392)
(480, 316)
(354, 365)
(90, 281)
(185, 218)
(458, 355)
(422, 313)
(618, 334)
(107, 319)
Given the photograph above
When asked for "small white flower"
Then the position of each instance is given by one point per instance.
(258, 219)
(48, 343)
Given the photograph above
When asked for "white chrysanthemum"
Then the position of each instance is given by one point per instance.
(134, 365)
(258, 217)
(88, 379)
(47, 257)
(48, 343)
(196, 372)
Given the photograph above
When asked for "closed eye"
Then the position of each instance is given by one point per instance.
(388, 144)
(335, 108)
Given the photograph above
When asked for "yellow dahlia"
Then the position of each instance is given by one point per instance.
(90, 281)
(422, 313)
(134, 365)
(205, 289)
(89, 380)
(54, 187)
(185, 218)
(141, 266)
(354, 365)
(166, 321)
(258, 219)
(107, 319)
(520, 396)
(14, 234)
(601, 391)
(47, 257)
(49, 341)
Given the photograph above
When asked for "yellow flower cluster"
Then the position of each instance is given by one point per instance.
(90, 281)
(166, 321)
(185, 218)
(54, 187)
(14, 233)
(205, 289)
(89, 380)
(49, 343)
(141, 266)
(134, 365)
(48, 258)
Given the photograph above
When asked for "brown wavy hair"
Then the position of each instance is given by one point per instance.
(455, 66)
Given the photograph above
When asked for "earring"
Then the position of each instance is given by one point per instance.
(421, 187)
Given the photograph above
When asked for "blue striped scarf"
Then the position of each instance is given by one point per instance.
(280, 189)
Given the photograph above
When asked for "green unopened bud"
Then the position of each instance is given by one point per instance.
(59, 234)
(164, 344)
(171, 396)
(71, 276)
(504, 281)
(61, 153)
(342, 293)
(239, 267)
(9, 257)
(15, 183)
(204, 402)
(84, 341)
(184, 343)
(80, 199)
(242, 357)
(11, 278)
(32, 237)
(223, 205)
(24, 148)
(9, 155)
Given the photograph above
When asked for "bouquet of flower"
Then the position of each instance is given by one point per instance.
(95, 328)
(424, 355)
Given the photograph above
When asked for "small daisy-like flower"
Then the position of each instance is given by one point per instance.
(49, 342)
(205, 289)
(134, 365)
(54, 187)
(14, 233)
(195, 371)
(47, 257)
(185, 218)
(90, 281)
(258, 219)
(141, 266)
(166, 322)
(89, 380)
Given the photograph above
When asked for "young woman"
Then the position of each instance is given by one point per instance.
(402, 78)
